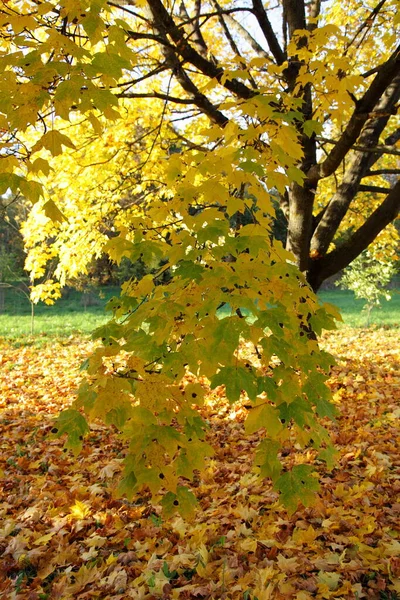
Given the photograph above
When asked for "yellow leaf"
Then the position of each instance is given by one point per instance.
(304, 536)
(79, 510)
(331, 580)
(44, 538)
(248, 545)
(53, 141)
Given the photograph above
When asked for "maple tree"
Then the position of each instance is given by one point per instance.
(184, 185)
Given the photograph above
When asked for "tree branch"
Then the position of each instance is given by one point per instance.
(344, 254)
(159, 95)
(393, 138)
(295, 15)
(195, 33)
(269, 34)
(232, 42)
(367, 23)
(357, 167)
(382, 149)
(249, 38)
(165, 24)
(314, 9)
(361, 114)
(374, 189)
(382, 172)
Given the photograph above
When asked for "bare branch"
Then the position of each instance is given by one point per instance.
(393, 137)
(295, 15)
(269, 34)
(131, 12)
(314, 9)
(159, 95)
(361, 114)
(245, 35)
(232, 43)
(381, 149)
(375, 189)
(382, 172)
(166, 25)
(188, 142)
(366, 25)
(156, 71)
(346, 252)
(194, 28)
(359, 163)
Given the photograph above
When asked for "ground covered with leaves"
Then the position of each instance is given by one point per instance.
(63, 534)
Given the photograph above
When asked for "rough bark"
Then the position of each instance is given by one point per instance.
(342, 256)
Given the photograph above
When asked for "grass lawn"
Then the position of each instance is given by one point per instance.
(388, 314)
(79, 314)
(74, 314)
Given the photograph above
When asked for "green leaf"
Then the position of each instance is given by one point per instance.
(108, 333)
(169, 504)
(127, 486)
(236, 380)
(187, 502)
(265, 416)
(297, 486)
(296, 174)
(168, 574)
(227, 332)
(189, 270)
(72, 423)
(299, 410)
(118, 247)
(184, 502)
(328, 455)
(9, 181)
(249, 166)
(311, 126)
(318, 393)
(267, 460)
(324, 319)
(110, 64)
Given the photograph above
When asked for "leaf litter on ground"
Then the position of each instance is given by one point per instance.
(64, 534)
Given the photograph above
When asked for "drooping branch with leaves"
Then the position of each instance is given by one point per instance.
(162, 133)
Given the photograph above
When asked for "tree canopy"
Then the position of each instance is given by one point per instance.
(311, 90)
(161, 132)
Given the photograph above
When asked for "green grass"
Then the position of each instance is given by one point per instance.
(388, 314)
(73, 315)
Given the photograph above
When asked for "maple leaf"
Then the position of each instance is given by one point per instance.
(53, 141)
(79, 510)
(297, 486)
(74, 425)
